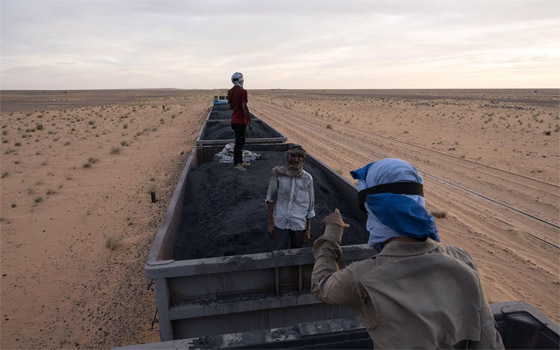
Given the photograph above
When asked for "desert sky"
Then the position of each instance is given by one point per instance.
(301, 44)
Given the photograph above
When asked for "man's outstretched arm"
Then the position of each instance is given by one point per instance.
(328, 283)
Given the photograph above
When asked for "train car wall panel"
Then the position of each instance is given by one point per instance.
(255, 290)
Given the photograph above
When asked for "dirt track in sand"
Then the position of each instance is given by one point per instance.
(493, 170)
(61, 287)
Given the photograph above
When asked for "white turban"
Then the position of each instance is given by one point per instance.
(237, 79)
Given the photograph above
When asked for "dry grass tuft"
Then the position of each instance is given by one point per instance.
(112, 242)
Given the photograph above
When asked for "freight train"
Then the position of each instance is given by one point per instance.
(220, 284)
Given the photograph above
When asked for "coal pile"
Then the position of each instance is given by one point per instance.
(222, 112)
(225, 211)
(218, 130)
(221, 107)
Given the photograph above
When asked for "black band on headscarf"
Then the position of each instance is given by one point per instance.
(394, 187)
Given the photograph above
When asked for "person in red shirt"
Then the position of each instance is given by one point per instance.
(240, 118)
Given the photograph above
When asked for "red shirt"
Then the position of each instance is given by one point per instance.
(237, 96)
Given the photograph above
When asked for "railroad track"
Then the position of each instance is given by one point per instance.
(358, 145)
(545, 188)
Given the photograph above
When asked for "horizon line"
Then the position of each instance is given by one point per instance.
(330, 89)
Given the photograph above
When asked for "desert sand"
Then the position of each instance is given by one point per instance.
(77, 168)
(61, 285)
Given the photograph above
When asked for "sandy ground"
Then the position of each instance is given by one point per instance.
(77, 167)
(61, 286)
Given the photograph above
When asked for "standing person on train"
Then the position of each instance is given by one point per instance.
(416, 292)
(240, 118)
(291, 201)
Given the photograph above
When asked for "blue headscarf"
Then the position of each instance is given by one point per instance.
(394, 215)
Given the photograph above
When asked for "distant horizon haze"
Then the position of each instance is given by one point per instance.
(291, 44)
(531, 89)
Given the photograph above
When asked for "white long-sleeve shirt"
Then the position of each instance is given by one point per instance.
(294, 200)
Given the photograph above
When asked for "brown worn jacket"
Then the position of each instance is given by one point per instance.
(411, 295)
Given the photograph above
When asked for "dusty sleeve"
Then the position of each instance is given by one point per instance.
(311, 209)
(272, 193)
(328, 283)
(489, 336)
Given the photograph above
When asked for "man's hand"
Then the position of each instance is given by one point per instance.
(271, 230)
(334, 225)
(250, 125)
(307, 234)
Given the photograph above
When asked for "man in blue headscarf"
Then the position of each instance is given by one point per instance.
(416, 292)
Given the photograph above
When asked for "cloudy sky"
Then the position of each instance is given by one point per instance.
(96, 44)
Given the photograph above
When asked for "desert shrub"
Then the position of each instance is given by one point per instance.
(4, 174)
(439, 213)
(39, 127)
(38, 199)
(115, 150)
